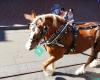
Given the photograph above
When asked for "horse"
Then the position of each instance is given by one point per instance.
(46, 26)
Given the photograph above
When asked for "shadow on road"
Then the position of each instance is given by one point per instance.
(98, 66)
(59, 78)
(86, 76)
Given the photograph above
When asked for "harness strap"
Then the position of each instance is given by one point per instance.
(87, 28)
(53, 39)
(97, 36)
(73, 45)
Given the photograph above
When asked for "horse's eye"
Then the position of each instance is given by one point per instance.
(28, 26)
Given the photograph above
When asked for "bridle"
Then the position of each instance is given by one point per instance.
(55, 36)
(41, 34)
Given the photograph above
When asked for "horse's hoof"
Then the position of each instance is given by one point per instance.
(48, 73)
(79, 71)
(94, 63)
(51, 68)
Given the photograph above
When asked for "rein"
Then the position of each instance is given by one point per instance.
(53, 39)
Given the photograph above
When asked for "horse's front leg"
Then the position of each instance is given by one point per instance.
(48, 65)
(48, 68)
(51, 68)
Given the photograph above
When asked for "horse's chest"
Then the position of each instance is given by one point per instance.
(65, 39)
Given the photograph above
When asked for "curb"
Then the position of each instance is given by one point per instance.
(13, 27)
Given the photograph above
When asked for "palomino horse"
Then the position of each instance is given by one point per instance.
(48, 25)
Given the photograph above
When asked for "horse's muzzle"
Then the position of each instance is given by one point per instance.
(28, 46)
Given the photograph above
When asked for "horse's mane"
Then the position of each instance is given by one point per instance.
(49, 14)
(43, 16)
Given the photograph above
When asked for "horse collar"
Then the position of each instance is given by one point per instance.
(53, 40)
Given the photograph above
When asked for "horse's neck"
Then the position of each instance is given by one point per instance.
(50, 32)
(53, 23)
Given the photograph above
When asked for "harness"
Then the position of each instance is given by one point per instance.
(53, 40)
(88, 27)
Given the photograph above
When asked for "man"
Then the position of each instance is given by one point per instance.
(70, 17)
(63, 13)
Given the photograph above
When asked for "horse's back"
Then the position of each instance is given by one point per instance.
(87, 24)
(86, 35)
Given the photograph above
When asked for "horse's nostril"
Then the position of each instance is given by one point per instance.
(30, 49)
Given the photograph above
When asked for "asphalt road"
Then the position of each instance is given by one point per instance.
(16, 60)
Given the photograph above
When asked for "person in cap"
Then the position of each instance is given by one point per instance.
(55, 9)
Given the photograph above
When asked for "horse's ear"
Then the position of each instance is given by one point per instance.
(33, 13)
(28, 17)
(31, 16)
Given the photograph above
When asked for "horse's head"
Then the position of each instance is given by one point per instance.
(37, 32)
(39, 27)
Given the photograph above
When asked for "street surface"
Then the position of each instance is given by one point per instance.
(15, 59)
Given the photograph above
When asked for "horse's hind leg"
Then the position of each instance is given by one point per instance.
(94, 63)
(81, 70)
(93, 56)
